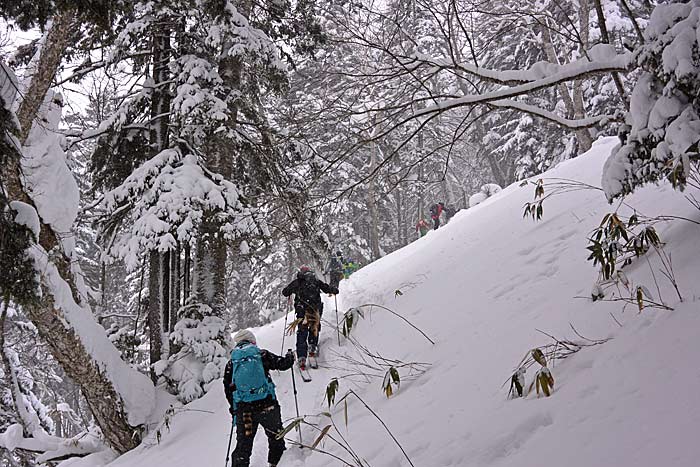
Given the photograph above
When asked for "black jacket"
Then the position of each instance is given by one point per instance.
(270, 361)
(335, 265)
(307, 293)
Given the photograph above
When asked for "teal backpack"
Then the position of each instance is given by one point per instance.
(249, 375)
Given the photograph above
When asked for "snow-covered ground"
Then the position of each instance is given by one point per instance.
(481, 287)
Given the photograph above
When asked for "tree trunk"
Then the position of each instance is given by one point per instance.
(372, 205)
(52, 319)
(154, 324)
(103, 292)
(400, 224)
(630, 14)
(421, 189)
(187, 280)
(158, 297)
(174, 287)
(55, 44)
(164, 302)
(605, 37)
(583, 136)
(212, 249)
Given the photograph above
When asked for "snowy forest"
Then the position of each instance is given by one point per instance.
(167, 166)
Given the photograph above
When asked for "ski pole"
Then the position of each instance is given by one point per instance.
(296, 403)
(228, 449)
(337, 323)
(284, 329)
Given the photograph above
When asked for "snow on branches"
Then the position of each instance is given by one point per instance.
(661, 139)
(168, 198)
(203, 340)
(233, 32)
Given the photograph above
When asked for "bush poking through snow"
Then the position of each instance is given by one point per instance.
(326, 424)
(391, 378)
(331, 391)
(167, 417)
(371, 365)
(544, 380)
(517, 383)
(535, 209)
(349, 319)
(555, 186)
(615, 242)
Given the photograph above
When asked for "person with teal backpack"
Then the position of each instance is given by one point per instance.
(251, 396)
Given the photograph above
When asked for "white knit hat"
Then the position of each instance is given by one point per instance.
(244, 335)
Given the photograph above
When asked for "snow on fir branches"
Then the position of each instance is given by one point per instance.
(166, 200)
(663, 125)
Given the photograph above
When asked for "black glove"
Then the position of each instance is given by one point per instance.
(290, 356)
(232, 411)
(336, 291)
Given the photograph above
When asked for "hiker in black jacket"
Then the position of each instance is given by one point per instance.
(335, 269)
(308, 306)
(265, 411)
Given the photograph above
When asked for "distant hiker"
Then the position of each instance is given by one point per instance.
(422, 227)
(307, 288)
(435, 212)
(349, 267)
(335, 269)
(252, 399)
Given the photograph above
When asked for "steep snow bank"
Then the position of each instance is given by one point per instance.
(480, 288)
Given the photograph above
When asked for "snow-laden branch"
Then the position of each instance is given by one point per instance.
(551, 116)
(576, 70)
(603, 58)
(170, 195)
(51, 448)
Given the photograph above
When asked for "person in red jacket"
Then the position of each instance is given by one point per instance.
(422, 227)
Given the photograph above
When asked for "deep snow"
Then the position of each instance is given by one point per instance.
(480, 287)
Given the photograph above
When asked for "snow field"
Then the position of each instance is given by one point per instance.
(481, 287)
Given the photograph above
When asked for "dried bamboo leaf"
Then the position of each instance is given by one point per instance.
(539, 357)
(324, 432)
(345, 412)
(292, 425)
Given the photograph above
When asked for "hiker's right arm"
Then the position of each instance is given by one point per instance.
(327, 288)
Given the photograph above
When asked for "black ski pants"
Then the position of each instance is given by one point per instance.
(247, 421)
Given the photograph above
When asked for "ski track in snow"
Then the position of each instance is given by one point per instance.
(481, 287)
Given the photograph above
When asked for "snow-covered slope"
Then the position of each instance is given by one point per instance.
(481, 287)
